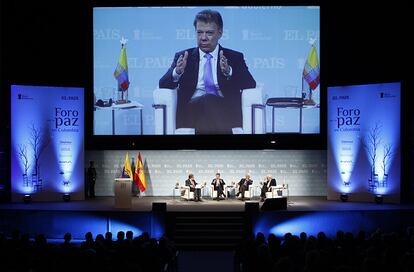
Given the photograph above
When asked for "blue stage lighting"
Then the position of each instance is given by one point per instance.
(379, 199)
(66, 197)
(27, 199)
(343, 197)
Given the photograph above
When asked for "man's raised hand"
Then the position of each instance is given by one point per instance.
(181, 63)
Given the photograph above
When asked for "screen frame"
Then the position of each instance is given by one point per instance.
(296, 141)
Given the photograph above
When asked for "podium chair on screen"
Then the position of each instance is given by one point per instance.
(165, 107)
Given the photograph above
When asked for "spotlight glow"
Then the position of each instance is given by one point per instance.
(117, 225)
(314, 222)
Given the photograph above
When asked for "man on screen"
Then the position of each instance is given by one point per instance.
(209, 79)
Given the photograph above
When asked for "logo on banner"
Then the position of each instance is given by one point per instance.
(23, 96)
(387, 95)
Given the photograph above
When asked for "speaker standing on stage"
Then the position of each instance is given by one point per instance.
(218, 184)
(193, 187)
(267, 186)
(91, 179)
(244, 184)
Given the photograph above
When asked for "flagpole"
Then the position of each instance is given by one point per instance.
(121, 74)
(122, 92)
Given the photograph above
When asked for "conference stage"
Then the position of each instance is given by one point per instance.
(197, 224)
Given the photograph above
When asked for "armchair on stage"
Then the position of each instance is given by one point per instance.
(185, 193)
(247, 194)
(165, 106)
(213, 193)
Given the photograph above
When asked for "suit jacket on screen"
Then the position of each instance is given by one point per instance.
(230, 87)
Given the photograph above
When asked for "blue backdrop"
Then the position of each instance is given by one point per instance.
(47, 151)
(364, 141)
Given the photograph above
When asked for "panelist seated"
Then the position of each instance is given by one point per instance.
(244, 184)
(194, 187)
(218, 187)
(269, 182)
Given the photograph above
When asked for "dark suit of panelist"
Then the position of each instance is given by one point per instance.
(218, 184)
(244, 184)
(269, 182)
(213, 105)
(192, 184)
(226, 110)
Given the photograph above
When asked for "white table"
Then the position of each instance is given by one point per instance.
(176, 192)
(126, 106)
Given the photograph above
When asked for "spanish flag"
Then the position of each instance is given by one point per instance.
(139, 175)
(127, 171)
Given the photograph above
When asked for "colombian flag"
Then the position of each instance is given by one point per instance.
(127, 171)
(311, 69)
(139, 175)
(121, 71)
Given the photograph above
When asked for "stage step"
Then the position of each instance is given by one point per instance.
(206, 230)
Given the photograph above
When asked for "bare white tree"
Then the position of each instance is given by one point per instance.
(388, 153)
(24, 157)
(371, 144)
(39, 140)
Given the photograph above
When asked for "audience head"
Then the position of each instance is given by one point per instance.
(303, 236)
(67, 237)
(89, 236)
(120, 236)
(145, 236)
(288, 236)
(321, 236)
(40, 240)
(260, 238)
(108, 236)
(129, 235)
(100, 238)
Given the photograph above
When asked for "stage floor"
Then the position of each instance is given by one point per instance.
(144, 204)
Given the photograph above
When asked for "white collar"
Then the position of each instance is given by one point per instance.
(214, 53)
